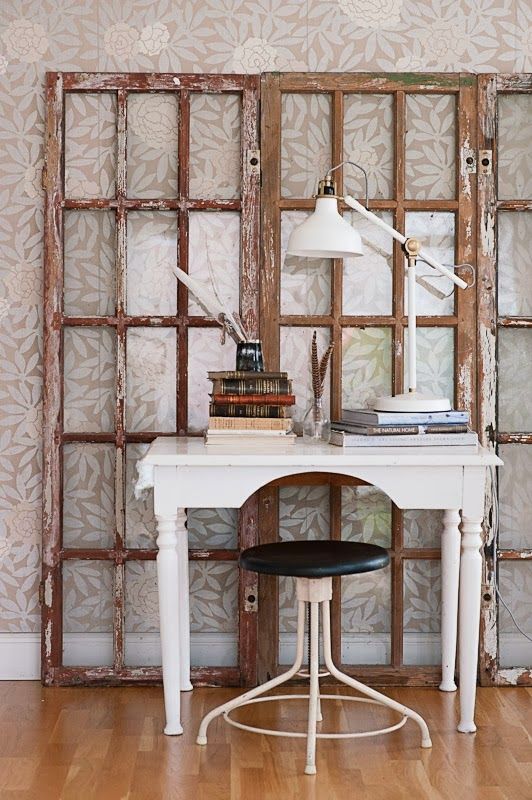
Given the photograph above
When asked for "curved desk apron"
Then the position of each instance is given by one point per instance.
(185, 473)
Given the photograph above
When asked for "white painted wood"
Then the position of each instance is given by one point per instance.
(169, 620)
(184, 600)
(469, 619)
(187, 473)
(450, 570)
(310, 766)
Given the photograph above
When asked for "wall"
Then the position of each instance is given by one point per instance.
(164, 35)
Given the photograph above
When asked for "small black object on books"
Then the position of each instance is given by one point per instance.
(364, 427)
(250, 409)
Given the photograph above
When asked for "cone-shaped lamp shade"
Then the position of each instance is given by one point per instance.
(325, 234)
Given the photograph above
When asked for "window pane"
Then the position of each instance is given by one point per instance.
(151, 257)
(152, 140)
(514, 168)
(422, 527)
(89, 263)
(205, 353)
(515, 378)
(435, 361)
(214, 256)
(422, 612)
(366, 618)
(151, 379)
(366, 365)
(88, 495)
(87, 613)
(210, 528)
(214, 613)
(368, 141)
(90, 145)
(515, 584)
(89, 379)
(306, 137)
(514, 290)
(295, 359)
(430, 146)
(366, 515)
(367, 280)
(140, 520)
(305, 282)
(515, 497)
(215, 121)
(435, 230)
(142, 641)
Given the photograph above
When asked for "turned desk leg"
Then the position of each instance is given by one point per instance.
(450, 568)
(469, 618)
(169, 613)
(184, 602)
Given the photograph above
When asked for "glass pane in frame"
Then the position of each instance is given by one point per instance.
(142, 641)
(205, 353)
(366, 618)
(87, 613)
(435, 361)
(430, 146)
(515, 586)
(89, 379)
(435, 230)
(306, 142)
(214, 612)
(367, 280)
(368, 141)
(151, 256)
(152, 144)
(88, 495)
(366, 515)
(215, 123)
(422, 611)
(89, 262)
(212, 528)
(295, 359)
(141, 528)
(515, 497)
(366, 365)
(151, 379)
(214, 256)
(515, 377)
(90, 145)
(514, 280)
(514, 153)
(305, 282)
(422, 527)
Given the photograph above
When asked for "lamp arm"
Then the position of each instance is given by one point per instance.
(422, 255)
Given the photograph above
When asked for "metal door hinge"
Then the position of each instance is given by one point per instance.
(253, 162)
(251, 602)
(469, 161)
(485, 162)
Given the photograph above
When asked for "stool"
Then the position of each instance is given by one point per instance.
(313, 564)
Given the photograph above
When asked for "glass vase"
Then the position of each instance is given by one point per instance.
(316, 423)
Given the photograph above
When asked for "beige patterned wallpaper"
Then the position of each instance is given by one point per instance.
(187, 36)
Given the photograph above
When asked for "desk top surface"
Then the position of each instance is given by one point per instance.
(192, 452)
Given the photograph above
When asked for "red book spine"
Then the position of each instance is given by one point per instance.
(253, 399)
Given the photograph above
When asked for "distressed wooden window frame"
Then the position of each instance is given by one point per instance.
(55, 321)
(491, 87)
(463, 87)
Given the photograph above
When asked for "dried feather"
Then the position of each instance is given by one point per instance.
(315, 366)
(324, 363)
(212, 305)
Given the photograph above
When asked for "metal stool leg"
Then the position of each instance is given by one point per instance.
(265, 687)
(310, 768)
(361, 687)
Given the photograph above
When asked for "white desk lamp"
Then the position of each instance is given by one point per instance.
(326, 234)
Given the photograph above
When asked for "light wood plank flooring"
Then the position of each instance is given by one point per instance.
(106, 744)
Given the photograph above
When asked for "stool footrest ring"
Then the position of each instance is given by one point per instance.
(297, 734)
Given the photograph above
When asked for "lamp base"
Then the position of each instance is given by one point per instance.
(411, 402)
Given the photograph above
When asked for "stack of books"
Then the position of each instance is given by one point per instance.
(250, 408)
(367, 428)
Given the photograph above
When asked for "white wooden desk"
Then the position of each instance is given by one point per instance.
(185, 473)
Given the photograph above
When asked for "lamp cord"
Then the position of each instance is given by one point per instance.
(495, 494)
(353, 164)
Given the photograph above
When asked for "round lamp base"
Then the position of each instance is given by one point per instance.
(412, 402)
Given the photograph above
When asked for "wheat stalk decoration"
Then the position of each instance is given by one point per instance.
(319, 367)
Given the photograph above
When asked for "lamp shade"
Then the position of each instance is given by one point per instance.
(325, 234)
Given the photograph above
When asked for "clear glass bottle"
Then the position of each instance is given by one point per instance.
(316, 425)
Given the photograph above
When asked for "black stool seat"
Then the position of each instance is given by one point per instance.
(314, 559)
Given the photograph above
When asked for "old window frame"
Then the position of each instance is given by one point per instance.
(54, 554)
(463, 86)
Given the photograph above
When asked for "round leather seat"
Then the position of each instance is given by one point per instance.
(314, 559)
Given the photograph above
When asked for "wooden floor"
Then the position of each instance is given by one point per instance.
(106, 744)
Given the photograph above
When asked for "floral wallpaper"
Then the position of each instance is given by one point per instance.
(187, 36)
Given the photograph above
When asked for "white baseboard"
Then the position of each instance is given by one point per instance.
(20, 652)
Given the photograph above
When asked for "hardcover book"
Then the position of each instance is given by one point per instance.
(256, 385)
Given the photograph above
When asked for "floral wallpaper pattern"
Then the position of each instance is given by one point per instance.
(193, 36)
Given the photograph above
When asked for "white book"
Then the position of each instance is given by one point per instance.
(406, 440)
(367, 416)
